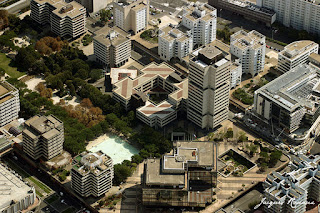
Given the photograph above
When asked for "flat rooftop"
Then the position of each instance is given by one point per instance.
(294, 88)
(199, 11)
(111, 36)
(154, 176)
(117, 74)
(252, 39)
(162, 110)
(87, 162)
(171, 33)
(296, 48)
(43, 124)
(63, 9)
(11, 188)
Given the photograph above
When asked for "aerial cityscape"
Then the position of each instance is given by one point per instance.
(151, 106)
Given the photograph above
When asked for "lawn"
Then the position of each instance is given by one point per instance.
(52, 198)
(12, 71)
(41, 185)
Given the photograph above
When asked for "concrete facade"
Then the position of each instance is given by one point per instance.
(299, 14)
(131, 15)
(9, 103)
(65, 19)
(112, 46)
(43, 137)
(250, 48)
(295, 54)
(209, 86)
(92, 174)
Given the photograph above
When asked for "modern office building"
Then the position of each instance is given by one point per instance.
(65, 19)
(295, 54)
(112, 46)
(94, 6)
(91, 174)
(201, 20)
(174, 43)
(16, 195)
(184, 178)
(209, 86)
(131, 15)
(299, 14)
(314, 59)
(9, 103)
(247, 9)
(290, 102)
(250, 48)
(43, 136)
(291, 191)
(157, 94)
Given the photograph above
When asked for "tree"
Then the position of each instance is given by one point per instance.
(4, 21)
(95, 74)
(242, 137)
(121, 173)
(263, 167)
(105, 15)
(229, 133)
(2, 71)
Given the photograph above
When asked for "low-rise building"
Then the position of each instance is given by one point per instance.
(9, 103)
(291, 102)
(112, 46)
(16, 195)
(43, 136)
(250, 48)
(295, 54)
(173, 42)
(201, 20)
(185, 178)
(92, 174)
(290, 191)
(158, 93)
(131, 15)
(65, 19)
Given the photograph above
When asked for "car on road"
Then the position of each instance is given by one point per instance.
(267, 46)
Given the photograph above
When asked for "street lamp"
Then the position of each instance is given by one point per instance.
(273, 31)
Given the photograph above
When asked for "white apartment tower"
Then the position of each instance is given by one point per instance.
(201, 19)
(9, 103)
(43, 137)
(66, 19)
(91, 174)
(250, 48)
(299, 14)
(131, 15)
(209, 86)
(174, 43)
(295, 54)
(112, 46)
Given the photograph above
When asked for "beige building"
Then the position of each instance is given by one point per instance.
(295, 54)
(66, 19)
(9, 103)
(131, 15)
(92, 174)
(158, 93)
(209, 86)
(186, 177)
(112, 46)
(43, 137)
